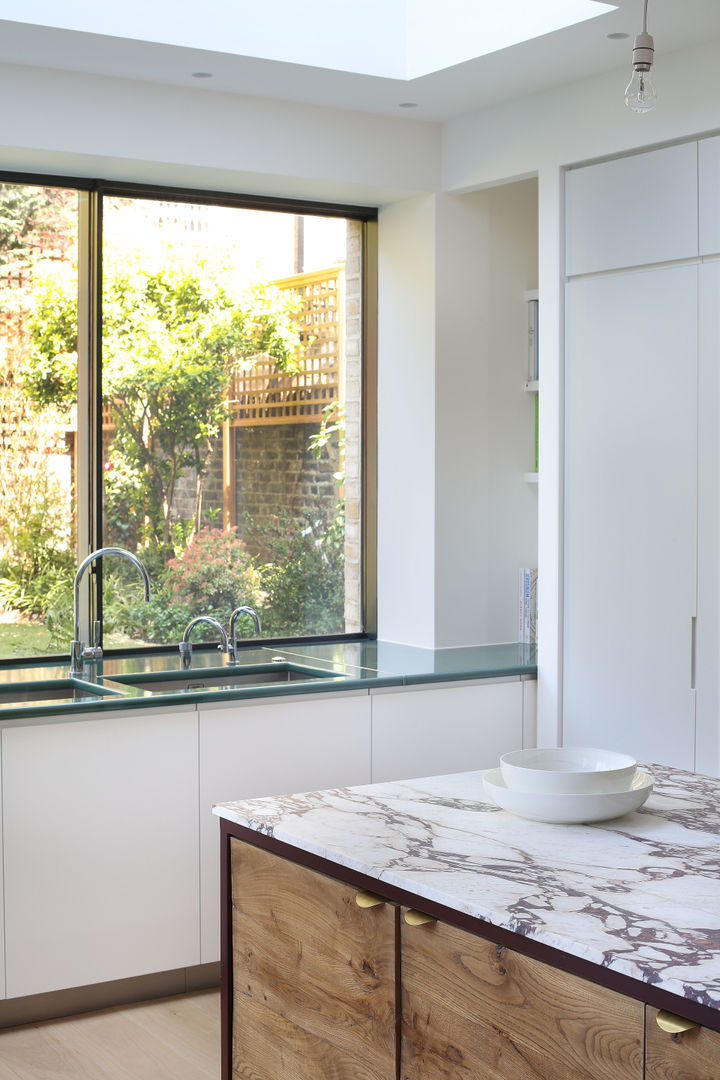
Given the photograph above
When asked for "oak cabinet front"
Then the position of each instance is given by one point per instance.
(314, 986)
(471, 1008)
(693, 1054)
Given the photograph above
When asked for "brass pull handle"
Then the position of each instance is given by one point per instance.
(417, 918)
(673, 1024)
(368, 900)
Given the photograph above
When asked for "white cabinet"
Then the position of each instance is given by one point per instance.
(272, 748)
(101, 848)
(709, 195)
(633, 211)
(631, 473)
(441, 728)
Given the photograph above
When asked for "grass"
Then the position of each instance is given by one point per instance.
(24, 639)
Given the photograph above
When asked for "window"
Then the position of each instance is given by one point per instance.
(181, 377)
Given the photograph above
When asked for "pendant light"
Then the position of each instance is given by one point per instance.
(640, 93)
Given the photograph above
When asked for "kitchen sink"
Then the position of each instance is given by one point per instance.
(60, 691)
(179, 682)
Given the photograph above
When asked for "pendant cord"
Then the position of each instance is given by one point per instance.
(644, 22)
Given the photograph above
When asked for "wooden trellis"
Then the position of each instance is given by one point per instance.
(265, 396)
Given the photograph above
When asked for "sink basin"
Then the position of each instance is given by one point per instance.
(55, 691)
(178, 682)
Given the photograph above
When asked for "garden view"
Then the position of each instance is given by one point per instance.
(223, 503)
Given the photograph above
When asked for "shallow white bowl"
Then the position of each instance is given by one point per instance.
(568, 769)
(567, 809)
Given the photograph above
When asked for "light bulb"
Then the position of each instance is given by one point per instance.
(640, 93)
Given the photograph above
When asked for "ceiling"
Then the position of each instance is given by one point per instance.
(550, 60)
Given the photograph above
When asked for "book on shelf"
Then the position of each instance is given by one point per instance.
(527, 605)
(533, 365)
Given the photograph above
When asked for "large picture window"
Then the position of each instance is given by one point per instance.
(184, 379)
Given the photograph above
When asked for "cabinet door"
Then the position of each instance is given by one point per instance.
(314, 990)
(632, 211)
(443, 729)
(709, 195)
(101, 849)
(272, 748)
(689, 1055)
(473, 1009)
(631, 513)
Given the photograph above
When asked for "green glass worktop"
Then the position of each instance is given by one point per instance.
(126, 682)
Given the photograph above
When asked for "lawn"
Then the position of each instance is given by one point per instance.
(24, 639)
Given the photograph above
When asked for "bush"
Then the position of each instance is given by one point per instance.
(213, 575)
(304, 580)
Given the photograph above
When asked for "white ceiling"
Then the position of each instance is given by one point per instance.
(552, 59)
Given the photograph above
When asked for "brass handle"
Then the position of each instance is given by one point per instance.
(674, 1024)
(417, 918)
(368, 900)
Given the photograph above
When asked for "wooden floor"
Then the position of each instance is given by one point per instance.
(175, 1038)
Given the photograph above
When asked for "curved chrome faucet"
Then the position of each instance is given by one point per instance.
(232, 650)
(78, 652)
(185, 645)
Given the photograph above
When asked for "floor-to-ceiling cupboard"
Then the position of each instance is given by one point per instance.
(640, 653)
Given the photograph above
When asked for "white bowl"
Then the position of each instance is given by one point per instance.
(567, 809)
(568, 769)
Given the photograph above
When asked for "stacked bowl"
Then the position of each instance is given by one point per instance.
(568, 785)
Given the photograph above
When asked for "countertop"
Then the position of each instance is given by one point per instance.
(345, 665)
(639, 895)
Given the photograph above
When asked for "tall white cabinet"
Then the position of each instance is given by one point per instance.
(640, 638)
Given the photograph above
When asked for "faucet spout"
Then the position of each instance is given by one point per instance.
(78, 651)
(186, 646)
(232, 651)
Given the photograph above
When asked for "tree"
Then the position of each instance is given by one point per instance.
(172, 339)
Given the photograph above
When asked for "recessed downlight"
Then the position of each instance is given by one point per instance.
(618, 37)
(408, 105)
(202, 75)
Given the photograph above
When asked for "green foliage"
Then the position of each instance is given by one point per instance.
(172, 338)
(305, 577)
(213, 575)
(332, 426)
(35, 221)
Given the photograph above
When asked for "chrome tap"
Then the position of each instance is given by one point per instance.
(232, 650)
(186, 646)
(79, 653)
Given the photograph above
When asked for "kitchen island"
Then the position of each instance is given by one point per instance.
(548, 950)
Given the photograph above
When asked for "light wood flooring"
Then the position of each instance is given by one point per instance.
(176, 1038)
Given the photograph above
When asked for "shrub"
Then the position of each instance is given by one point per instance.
(304, 580)
(214, 574)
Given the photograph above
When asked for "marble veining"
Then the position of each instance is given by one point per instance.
(639, 895)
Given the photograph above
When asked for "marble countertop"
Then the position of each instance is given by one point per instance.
(639, 895)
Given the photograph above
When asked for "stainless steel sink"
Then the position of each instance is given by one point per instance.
(62, 691)
(178, 682)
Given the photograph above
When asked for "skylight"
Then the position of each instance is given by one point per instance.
(396, 39)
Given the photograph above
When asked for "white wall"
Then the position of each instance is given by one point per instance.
(86, 125)
(486, 524)
(406, 422)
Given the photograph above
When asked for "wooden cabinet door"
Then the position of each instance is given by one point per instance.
(314, 975)
(472, 1009)
(272, 748)
(443, 729)
(689, 1055)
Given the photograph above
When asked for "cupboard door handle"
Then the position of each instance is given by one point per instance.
(674, 1024)
(417, 918)
(368, 900)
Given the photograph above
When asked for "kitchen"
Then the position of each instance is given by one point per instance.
(440, 185)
